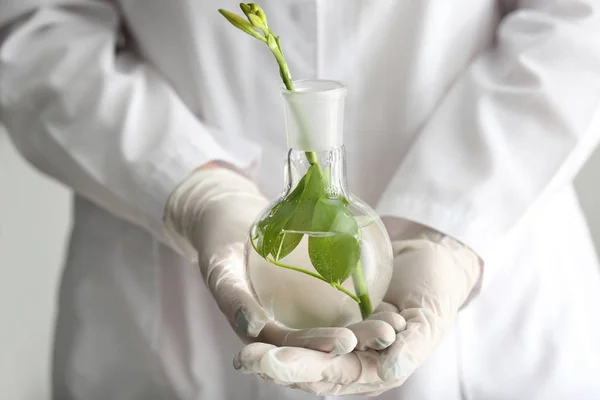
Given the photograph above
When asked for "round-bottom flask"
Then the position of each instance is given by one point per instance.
(317, 256)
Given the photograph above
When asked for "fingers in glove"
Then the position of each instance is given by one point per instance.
(248, 360)
(312, 371)
(330, 389)
(328, 340)
(412, 346)
(307, 366)
(226, 280)
(379, 330)
(249, 318)
(374, 393)
(368, 384)
(373, 334)
(335, 389)
(298, 365)
(394, 319)
(385, 306)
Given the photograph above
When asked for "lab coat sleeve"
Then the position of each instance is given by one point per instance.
(98, 120)
(518, 123)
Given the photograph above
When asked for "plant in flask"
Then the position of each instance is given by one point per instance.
(317, 256)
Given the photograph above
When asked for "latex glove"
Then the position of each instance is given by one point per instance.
(433, 276)
(208, 217)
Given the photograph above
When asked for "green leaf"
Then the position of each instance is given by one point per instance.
(313, 182)
(272, 238)
(289, 241)
(263, 232)
(242, 24)
(279, 242)
(331, 215)
(336, 252)
(294, 213)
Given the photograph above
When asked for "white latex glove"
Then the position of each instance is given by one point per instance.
(433, 276)
(209, 215)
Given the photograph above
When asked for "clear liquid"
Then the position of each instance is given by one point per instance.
(300, 301)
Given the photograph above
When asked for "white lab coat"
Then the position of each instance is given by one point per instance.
(470, 116)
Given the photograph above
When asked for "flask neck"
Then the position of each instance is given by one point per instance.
(330, 171)
(314, 115)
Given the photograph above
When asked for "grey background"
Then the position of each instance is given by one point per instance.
(34, 224)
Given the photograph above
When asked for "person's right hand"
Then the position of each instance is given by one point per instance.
(210, 215)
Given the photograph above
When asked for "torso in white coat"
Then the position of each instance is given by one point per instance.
(136, 321)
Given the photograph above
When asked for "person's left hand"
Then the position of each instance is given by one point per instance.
(433, 276)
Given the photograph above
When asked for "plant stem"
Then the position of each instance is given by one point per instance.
(289, 85)
(314, 275)
(360, 287)
(297, 269)
(310, 155)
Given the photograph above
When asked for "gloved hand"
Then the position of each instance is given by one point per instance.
(433, 276)
(208, 217)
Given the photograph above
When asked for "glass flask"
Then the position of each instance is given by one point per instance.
(317, 256)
